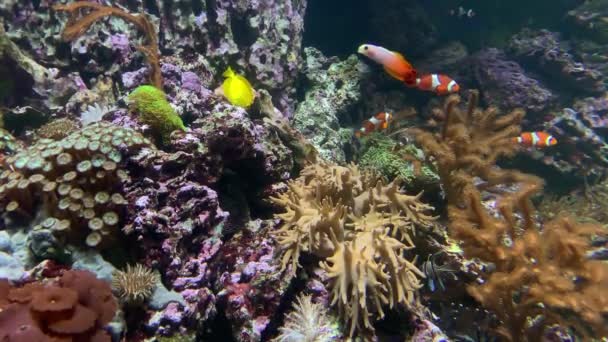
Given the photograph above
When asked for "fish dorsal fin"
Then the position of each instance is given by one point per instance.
(229, 73)
(400, 56)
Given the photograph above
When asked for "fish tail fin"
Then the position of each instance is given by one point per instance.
(229, 72)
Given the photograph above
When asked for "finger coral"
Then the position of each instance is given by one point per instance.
(76, 307)
(362, 228)
(74, 182)
(541, 275)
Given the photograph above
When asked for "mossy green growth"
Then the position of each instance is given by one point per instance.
(154, 109)
(385, 156)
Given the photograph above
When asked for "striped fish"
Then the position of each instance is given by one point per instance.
(535, 139)
(440, 84)
(375, 123)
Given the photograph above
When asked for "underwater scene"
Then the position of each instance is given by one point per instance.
(303, 170)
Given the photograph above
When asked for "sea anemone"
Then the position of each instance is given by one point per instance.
(308, 322)
(135, 284)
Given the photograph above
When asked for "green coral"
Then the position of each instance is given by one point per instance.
(152, 105)
(385, 156)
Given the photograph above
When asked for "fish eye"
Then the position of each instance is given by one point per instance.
(365, 47)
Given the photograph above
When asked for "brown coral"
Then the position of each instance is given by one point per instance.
(135, 284)
(542, 276)
(362, 227)
(83, 14)
(69, 309)
(57, 129)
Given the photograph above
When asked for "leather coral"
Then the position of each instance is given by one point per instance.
(77, 307)
(542, 275)
(362, 227)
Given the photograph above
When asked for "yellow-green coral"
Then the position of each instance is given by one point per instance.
(363, 228)
(387, 157)
(154, 109)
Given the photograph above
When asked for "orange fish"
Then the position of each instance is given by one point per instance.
(440, 84)
(535, 139)
(376, 122)
(393, 62)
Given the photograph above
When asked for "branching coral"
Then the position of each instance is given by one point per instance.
(542, 276)
(362, 227)
(83, 14)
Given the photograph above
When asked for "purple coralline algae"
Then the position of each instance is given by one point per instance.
(505, 84)
(581, 132)
(555, 58)
(249, 281)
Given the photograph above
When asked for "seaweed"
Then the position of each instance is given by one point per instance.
(542, 276)
(83, 14)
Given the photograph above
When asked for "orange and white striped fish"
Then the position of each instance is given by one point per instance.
(393, 62)
(375, 123)
(535, 139)
(440, 84)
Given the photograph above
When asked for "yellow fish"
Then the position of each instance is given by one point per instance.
(237, 89)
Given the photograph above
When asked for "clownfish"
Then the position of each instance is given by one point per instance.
(440, 84)
(376, 122)
(393, 62)
(535, 139)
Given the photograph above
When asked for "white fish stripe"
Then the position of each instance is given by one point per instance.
(451, 85)
(435, 81)
(548, 140)
(520, 139)
(535, 139)
(375, 121)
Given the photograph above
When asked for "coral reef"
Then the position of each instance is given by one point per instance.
(505, 84)
(333, 91)
(76, 307)
(590, 18)
(550, 54)
(135, 284)
(57, 129)
(389, 159)
(541, 276)
(74, 182)
(151, 105)
(355, 222)
(580, 131)
(307, 322)
(83, 14)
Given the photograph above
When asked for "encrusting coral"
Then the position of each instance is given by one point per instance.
(541, 275)
(135, 284)
(77, 307)
(154, 109)
(83, 14)
(57, 129)
(76, 182)
(362, 228)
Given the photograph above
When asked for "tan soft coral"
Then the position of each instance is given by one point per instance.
(362, 227)
(541, 275)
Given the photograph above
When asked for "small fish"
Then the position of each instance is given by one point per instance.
(376, 122)
(393, 62)
(236, 89)
(535, 139)
(440, 84)
(461, 12)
